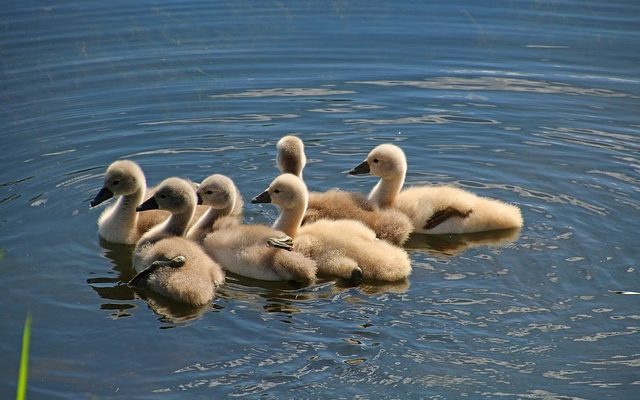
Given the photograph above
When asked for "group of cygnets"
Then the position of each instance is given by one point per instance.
(186, 235)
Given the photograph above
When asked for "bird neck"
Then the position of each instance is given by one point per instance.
(124, 214)
(290, 219)
(386, 190)
(177, 223)
(205, 224)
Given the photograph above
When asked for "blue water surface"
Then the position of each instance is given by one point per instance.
(532, 102)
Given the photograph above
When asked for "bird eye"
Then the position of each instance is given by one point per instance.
(375, 160)
(116, 182)
(163, 196)
(209, 192)
(277, 191)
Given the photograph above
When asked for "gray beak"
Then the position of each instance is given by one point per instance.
(150, 204)
(361, 169)
(103, 195)
(263, 197)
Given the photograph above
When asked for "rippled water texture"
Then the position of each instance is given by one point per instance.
(532, 102)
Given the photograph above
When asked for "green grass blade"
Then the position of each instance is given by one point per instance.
(24, 360)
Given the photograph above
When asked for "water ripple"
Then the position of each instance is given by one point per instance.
(537, 194)
(592, 137)
(534, 394)
(495, 83)
(631, 330)
(228, 119)
(284, 92)
(423, 119)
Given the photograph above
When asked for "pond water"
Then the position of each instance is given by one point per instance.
(532, 102)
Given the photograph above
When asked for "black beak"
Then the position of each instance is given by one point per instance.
(200, 200)
(150, 204)
(263, 197)
(103, 195)
(361, 169)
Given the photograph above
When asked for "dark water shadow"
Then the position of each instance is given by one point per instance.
(114, 285)
(171, 311)
(374, 287)
(119, 296)
(454, 245)
(281, 296)
(287, 297)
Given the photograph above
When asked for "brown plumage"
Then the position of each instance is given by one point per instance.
(245, 249)
(120, 223)
(342, 248)
(390, 225)
(432, 209)
(224, 205)
(192, 282)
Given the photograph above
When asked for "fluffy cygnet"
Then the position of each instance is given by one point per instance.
(247, 250)
(179, 269)
(254, 251)
(190, 281)
(224, 202)
(120, 223)
(388, 224)
(433, 209)
(179, 198)
(343, 248)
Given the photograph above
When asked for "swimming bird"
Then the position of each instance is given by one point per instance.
(179, 198)
(342, 248)
(169, 263)
(388, 224)
(120, 223)
(224, 202)
(252, 250)
(432, 209)
(180, 270)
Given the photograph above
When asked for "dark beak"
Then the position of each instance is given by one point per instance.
(103, 195)
(200, 200)
(361, 169)
(263, 197)
(150, 204)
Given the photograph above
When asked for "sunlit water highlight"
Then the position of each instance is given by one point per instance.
(535, 103)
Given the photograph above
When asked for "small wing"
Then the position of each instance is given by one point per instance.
(441, 216)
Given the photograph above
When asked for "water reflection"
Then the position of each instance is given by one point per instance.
(374, 288)
(286, 297)
(453, 245)
(116, 288)
(171, 311)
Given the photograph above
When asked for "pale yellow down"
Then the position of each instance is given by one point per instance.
(245, 249)
(179, 198)
(120, 223)
(419, 203)
(223, 201)
(339, 246)
(193, 282)
(388, 224)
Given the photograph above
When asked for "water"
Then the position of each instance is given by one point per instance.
(532, 102)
